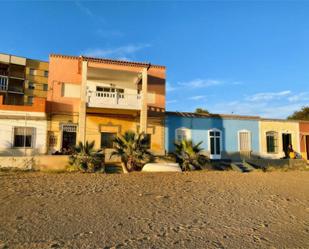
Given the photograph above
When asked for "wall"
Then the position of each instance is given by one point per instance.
(39, 105)
(199, 132)
(62, 70)
(54, 130)
(96, 123)
(39, 79)
(7, 135)
(280, 126)
(304, 131)
(35, 162)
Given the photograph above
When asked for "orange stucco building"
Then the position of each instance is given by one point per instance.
(304, 138)
(96, 99)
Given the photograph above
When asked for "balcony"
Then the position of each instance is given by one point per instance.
(16, 86)
(100, 99)
(3, 83)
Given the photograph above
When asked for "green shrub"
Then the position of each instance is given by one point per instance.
(85, 158)
(189, 155)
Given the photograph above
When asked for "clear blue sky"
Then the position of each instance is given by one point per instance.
(228, 57)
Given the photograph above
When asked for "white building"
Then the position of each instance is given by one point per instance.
(23, 129)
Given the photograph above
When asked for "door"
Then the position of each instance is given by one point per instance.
(244, 143)
(68, 136)
(215, 144)
(286, 141)
(307, 146)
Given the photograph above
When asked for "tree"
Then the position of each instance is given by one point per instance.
(133, 151)
(189, 155)
(302, 114)
(86, 158)
(201, 111)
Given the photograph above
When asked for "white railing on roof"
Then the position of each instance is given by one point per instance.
(114, 100)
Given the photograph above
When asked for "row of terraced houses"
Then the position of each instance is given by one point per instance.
(46, 107)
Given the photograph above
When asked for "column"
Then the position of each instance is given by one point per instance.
(143, 116)
(82, 107)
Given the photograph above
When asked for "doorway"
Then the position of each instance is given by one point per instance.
(215, 144)
(68, 136)
(307, 146)
(286, 141)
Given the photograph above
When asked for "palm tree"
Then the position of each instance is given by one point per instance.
(189, 155)
(132, 149)
(86, 158)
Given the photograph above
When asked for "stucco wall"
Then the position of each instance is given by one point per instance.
(119, 125)
(7, 136)
(304, 131)
(199, 131)
(280, 126)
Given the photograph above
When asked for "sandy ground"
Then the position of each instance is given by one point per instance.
(148, 210)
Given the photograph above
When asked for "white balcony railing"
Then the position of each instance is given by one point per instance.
(114, 100)
(3, 83)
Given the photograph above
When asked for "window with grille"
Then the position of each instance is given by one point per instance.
(23, 136)
(272, 142)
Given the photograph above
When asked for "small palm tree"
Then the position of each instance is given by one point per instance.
(132, 149)
(189, 155)
(86, 158)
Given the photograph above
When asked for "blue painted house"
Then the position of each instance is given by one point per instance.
(223, 136)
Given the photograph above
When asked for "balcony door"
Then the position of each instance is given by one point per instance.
(215, 141)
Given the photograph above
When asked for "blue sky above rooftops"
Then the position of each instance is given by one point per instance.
(242, 57)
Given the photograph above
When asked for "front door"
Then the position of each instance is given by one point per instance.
(286, 141)
(215, 144)
(244, 143)
(68, 136)
(307, 146)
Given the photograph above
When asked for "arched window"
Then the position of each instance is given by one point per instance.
(272, 142)
(182, 134)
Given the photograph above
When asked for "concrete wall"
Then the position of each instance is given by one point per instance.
(199, 131)
(279, 126)
(35, 162)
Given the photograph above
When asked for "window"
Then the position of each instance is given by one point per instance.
(30, 100)
(45, 87)
(107, 139)
(23, 136)
(70, 90)
(31, 86)
(272, 142)
(32, 71)
(45, 73)
(183, 134)
(215, 143)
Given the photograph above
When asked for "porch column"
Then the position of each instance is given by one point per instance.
(82, 107)
(143, 116)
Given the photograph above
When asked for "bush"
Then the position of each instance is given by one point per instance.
(86, 159)
(133, 150)
(189, 155)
